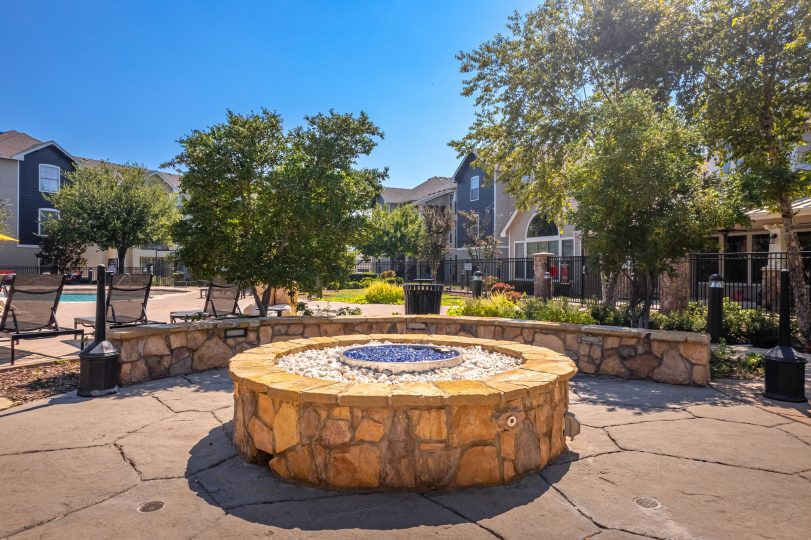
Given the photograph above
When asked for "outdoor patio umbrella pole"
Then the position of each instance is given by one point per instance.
(98, 375)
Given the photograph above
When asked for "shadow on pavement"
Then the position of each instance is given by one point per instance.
(254, 494)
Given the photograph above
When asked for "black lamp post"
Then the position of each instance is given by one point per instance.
(477, 284)
(784, 368)
(98, 362)
(715, 307)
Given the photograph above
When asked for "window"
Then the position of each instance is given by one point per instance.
(45, 214)
(540, 227)
(474, 188)
(567, 248)
(49, 178)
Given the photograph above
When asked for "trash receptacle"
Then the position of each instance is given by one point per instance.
(422, 298)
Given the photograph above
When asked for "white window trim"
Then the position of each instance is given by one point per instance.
(58, 177)
(477, 188)
(39, 218)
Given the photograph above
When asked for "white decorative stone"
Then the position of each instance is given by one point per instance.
(326, 364)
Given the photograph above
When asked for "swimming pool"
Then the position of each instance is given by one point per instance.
(78, 297)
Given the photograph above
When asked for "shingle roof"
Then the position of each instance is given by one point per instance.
(13, 142)
(433, 186)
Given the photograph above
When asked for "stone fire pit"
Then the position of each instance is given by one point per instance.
(420, 435)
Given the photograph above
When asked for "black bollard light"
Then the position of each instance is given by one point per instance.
(477, 284)
(715, 307)
(98, 362)
(547, 286)
(784, 368)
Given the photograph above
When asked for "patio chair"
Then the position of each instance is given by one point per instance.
(30, 306)
(222, 300)
(126, 302)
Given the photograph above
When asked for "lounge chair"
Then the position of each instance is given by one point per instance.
(126, 302)
(222, 300)
(30, 306)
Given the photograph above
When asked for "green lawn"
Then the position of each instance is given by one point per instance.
(355, 296)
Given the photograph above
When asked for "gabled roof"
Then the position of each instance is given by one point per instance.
(431, 187)
(171, 179)
(468, 158)
(13, 142)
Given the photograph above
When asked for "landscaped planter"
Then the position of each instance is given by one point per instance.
(672, 357)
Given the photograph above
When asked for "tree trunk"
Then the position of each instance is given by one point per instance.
(674, 288)
(122, 254)
(795, 268)
(261, 301)
(644, 314)
(609, 283)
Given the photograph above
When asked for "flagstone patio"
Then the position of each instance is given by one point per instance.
(652, 461)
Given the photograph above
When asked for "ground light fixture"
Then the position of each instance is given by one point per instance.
(784, 368)
(98, 362)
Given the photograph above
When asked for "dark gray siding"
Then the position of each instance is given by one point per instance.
(31, 200)
(484, 206)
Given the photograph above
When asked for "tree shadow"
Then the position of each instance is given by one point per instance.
(254, 494)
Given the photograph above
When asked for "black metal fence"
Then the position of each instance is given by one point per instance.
(163, 272)
(752, 280)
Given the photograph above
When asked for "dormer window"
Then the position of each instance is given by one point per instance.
(49, 178)
(474, 188)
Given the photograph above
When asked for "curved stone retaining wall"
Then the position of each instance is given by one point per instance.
(150, 352)
(422, 435)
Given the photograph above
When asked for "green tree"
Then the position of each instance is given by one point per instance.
(537, 88)
(439, 223)
(60, 247)
(753, 97)
(394, 233)
(267, 206)
(114, 206)
(643, 202)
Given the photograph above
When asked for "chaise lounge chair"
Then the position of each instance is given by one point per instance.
(30, 309)
(126, 302)
(222, 300)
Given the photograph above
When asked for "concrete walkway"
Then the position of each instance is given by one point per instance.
(653, 461)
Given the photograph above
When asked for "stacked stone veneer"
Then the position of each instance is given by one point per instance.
(428, 435)
(150, 352)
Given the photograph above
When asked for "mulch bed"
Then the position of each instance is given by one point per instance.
(28, 384)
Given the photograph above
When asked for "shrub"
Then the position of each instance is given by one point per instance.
(380, 292)
(393, 280)
(609, 316)
(507, 290)
(388, 274)
(496, 305)
(538, 309)
(488, 282)
(693, 319)
(365, 282)
(357, 276)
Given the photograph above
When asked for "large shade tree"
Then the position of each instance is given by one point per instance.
(537, 88)
(393, 232)
(114, 206)
(753, 97)
(265, 205)
(643, 200)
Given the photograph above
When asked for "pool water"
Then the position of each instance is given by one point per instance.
(78, 297)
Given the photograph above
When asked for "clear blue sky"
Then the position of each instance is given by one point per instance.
(124, 80)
